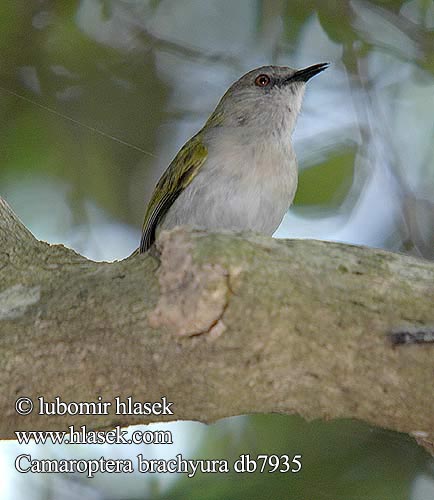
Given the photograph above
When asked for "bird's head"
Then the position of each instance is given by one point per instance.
(267, 98)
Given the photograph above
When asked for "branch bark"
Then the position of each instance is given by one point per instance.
(221, 325)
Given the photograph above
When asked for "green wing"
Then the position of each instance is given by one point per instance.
(175, 179)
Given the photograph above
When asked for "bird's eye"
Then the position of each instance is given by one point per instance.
(262, 80)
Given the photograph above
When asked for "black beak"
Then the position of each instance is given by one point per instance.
(303, 75)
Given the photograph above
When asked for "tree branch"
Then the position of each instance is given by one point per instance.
(221, 325)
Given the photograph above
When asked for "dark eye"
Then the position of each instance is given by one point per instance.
(262, 80)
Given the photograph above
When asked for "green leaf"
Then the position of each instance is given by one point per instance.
(328, 182)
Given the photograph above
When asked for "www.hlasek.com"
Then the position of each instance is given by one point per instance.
(24, 462)
(86, 436)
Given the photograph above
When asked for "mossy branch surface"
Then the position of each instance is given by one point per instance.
(220, 324)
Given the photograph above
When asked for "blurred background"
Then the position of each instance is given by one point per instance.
(97, 96)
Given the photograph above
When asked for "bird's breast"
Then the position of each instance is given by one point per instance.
(241, 186)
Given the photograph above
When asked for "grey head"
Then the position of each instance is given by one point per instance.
(268, 97)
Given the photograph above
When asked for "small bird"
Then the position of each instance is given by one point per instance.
(239, 172)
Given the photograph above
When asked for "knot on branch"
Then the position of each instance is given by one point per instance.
(193, 298)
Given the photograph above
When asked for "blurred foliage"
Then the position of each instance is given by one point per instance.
(109, 80)
(96, 97)
(327, 183)
(330, 470)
